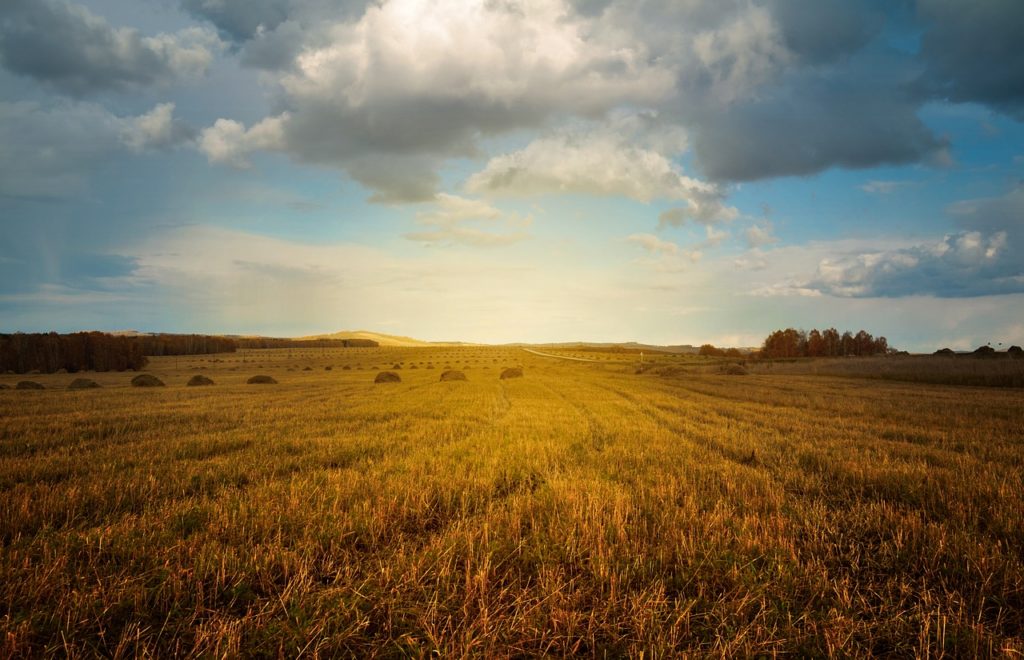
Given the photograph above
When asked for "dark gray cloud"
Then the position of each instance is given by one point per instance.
(240, 19)
(812, 123)
(76, 52)
(824, 30)
(973, 51)
(50, 151)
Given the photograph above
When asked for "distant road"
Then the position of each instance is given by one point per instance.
(560, 357)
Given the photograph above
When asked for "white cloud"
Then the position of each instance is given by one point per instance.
(665, 256)
(653, 244)
(453, 219)
(877, 187)
(411, 79)
(229, 142)
(760, 234)
(157, 129)
(629, 156)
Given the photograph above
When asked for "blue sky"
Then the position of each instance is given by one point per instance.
(659, 171)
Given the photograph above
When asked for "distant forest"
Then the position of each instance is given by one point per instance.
(98, 351)
(822, 343)
(81, 351)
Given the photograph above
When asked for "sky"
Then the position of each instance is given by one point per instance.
(664, 171)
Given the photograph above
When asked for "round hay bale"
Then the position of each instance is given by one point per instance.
(261, 380)
(396, 366)
(734, 370)
(29, 385)
(414, 367)
(4, 386)
(945, 351)
(387, 377)
(83, 384)
(347, 368)
(452, 374)
(307, 369)
(984, 351)
(328, 368)
(198, 380)
(1015, 351)
(147, 380)
(511, 372)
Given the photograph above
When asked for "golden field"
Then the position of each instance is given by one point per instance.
(585, 509)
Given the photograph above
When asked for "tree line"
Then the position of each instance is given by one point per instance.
(81, 351)
(822, 343)
(99, 351)
(169, 344)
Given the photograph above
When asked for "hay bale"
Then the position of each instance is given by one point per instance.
(414, 367)
(147, 380)
(945, 351)
(261, 380)
(328, 368)
(4, 386)
(511, 372)
(396, 366)
(734, 370)
(83, 384)
(347, 368)
(307, 369)
(1015, 351)
(984, 351)
(29, 385)
(387, 377)
(198, 380)
(452, 374)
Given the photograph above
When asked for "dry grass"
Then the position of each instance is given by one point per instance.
(584, 510)
(1003, 371)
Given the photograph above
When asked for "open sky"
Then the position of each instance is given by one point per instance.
(666, 171)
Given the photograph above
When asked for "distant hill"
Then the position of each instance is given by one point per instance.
(383, 339)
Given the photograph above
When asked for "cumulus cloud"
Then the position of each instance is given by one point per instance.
(397, 82)
(49, 150)
(606, 161)
(963, 264)
(631, 157)
(230, 142)
(764, 89)
(453, 219)
(70, 49)
(705, 207)
(157, 129)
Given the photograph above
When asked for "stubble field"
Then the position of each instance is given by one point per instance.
(583, 509)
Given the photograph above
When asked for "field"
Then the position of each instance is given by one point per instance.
(584, 509)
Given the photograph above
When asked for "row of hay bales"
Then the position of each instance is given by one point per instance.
(149, 380)
(142, 380)
(447, 376)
